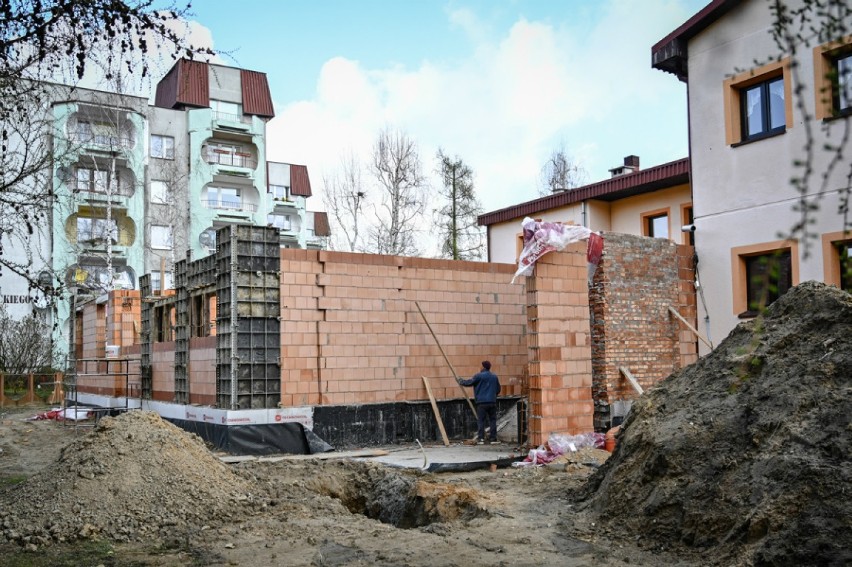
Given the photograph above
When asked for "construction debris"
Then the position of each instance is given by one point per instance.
(745, 454)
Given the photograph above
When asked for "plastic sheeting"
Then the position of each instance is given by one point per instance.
(264, 439)
(543, 237)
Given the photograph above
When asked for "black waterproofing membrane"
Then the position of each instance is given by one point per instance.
(265, 439)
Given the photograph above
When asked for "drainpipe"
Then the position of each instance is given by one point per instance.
(583, 214)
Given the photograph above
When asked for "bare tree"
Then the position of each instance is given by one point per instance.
(24, 345)
(560, 173)
(396, 165)
(461, 237)
(344, 198)
(58, 40)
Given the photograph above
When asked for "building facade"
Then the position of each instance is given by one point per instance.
(756, 114)
(652, 202)
(139, 187)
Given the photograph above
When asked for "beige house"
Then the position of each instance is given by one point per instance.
(748, 128)
(649, 202)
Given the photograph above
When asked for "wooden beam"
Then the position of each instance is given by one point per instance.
(453, 370)
(631, 379)
(435, 411)
(690, 327)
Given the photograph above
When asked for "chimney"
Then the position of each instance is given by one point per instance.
(631, 165)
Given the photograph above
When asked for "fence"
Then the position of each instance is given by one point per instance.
(24, 389)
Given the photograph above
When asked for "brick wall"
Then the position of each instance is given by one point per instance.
(202, 369)
(351, 332)
(636, 282)
(560, 371)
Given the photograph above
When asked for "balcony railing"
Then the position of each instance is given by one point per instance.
(122, 141)
(232, 159)
(230, 117)
(97, 191)
(229, 205)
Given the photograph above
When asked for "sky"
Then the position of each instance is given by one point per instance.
(499, 83)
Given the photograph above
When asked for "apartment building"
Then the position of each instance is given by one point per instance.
(652, 202)
(756, 113)
(138, 187)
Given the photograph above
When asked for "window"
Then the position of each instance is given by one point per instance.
(656, 223)
(844, 264)
(91, 230)
(763, 109)
(842, 80)
(155, 281)
(226, 110)
(223, 198)
(279, 192)
(162, 147)
(84, 131)
(833, 78)
(92, 180)
(761, 274)
(837, 263)
(688, 220)
(160, 192)
(758, 103)
(161, 237)
(281, 222)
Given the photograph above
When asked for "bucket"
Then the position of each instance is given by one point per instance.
(609, 439)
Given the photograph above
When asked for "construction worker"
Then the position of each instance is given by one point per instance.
(486, 386)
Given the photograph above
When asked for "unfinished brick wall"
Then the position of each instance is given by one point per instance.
(560, 370)
(351, 332)
(636, 282)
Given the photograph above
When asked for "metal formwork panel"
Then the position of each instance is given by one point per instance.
(181, 334)
(146, 347)
(248, 311)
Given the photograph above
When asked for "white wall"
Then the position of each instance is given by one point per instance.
(742, 195)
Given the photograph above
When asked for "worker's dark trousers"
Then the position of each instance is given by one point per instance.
(487, 412)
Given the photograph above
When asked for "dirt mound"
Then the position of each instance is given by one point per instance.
(744, 456)
(133, 477)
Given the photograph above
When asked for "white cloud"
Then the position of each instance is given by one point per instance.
(503, 108)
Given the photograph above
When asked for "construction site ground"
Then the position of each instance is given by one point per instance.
(314, 511)
(740, 459)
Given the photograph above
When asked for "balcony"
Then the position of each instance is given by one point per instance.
(102, 141)
(231, 122)
(220, 205)
(244, 160)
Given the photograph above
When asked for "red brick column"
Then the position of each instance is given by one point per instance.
(560, 368)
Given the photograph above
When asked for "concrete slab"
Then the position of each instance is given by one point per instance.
(457, 457)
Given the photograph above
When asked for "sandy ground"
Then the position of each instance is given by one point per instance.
(335, 513)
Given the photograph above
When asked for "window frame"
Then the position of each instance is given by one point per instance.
(97, 230)
(162, 244)
(155, 195)
(272, 187)
(288, 221)
(826, 57)
(739, 271)
(218, 203)
(831, 259)
(687, 217)
(733, 88)
(648, 217)
(165, 153)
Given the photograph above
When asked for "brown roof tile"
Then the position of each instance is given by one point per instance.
(643, 181)
(300, 183)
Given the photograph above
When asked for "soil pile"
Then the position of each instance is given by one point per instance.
(134, 477)
(744, 456)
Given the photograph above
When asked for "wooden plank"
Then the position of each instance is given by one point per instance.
(435, 411)
(453, 370)
(674, 312)
(231, 459)
(631, 379)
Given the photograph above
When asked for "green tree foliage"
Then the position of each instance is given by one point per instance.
(460, 236)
